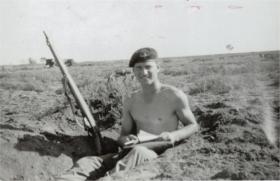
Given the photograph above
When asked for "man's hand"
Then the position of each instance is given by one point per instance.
(167, 136)
(128, 140)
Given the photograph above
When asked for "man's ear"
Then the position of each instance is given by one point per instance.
(158, 67)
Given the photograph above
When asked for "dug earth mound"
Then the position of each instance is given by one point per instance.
(229, 146)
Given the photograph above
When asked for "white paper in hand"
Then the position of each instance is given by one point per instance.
(145, 136)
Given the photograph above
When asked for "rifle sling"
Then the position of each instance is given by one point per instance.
(66, 88)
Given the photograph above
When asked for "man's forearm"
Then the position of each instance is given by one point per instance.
(185, 132)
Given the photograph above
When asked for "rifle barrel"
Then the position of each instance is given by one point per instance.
(93, 131)
(77, 94)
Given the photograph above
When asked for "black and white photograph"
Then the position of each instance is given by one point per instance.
(139, 90)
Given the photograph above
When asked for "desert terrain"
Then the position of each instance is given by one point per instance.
(235, 99)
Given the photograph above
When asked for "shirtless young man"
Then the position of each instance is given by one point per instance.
(156, 109)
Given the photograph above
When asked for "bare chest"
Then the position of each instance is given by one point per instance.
(155, 116)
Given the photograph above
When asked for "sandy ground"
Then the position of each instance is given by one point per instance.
(39, 139)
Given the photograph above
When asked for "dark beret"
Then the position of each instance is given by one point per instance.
(143, 55)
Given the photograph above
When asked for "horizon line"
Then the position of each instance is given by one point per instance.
(177, 57)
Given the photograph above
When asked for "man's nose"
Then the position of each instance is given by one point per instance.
(144, 71)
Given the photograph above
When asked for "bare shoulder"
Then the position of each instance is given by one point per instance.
(177, 96)
(173, 91)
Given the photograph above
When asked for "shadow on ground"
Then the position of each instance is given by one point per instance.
(49, 144)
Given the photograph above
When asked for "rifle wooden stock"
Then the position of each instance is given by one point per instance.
(79, 99)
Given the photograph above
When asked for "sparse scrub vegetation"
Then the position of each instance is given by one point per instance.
(175, 72)
(4, 75)
(107, 100)
(212, 84)
(105, 96)
(202, 59)
(21, 81)
(25, 86)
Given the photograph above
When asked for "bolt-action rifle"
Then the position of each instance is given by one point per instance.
(89, 122)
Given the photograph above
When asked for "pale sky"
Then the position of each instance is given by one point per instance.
(94, 30)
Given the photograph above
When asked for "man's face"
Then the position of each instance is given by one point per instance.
(146, 72)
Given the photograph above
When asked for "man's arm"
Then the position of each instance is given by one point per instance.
(186, 116)
(127, 125)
